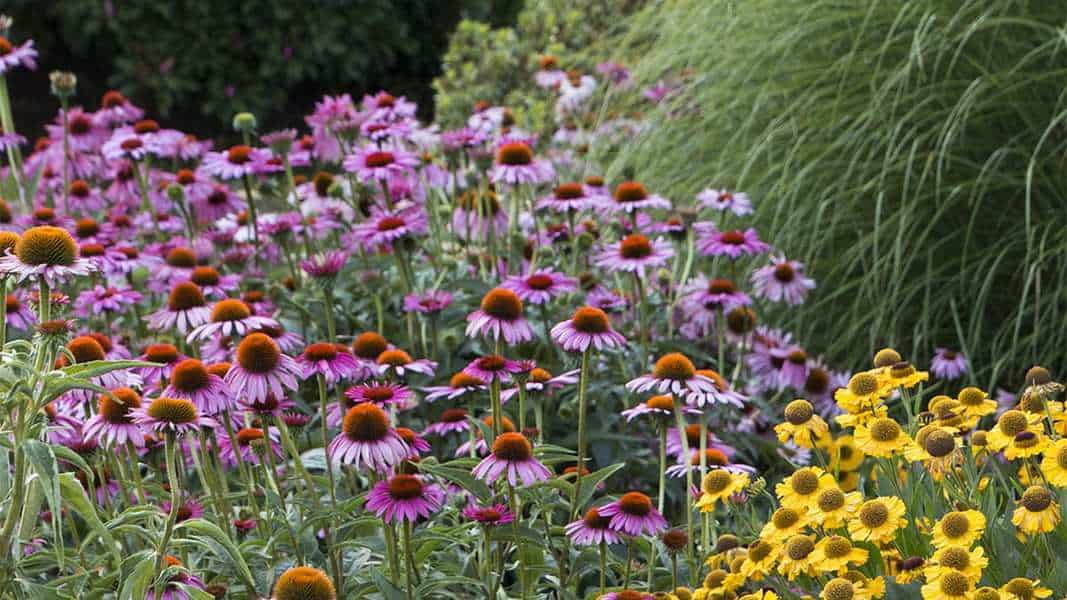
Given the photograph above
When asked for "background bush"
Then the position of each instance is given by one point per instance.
(196, 62)
(911, 152)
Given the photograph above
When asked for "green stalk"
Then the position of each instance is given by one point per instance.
(172, 518)
(335, 557)
(583, 378)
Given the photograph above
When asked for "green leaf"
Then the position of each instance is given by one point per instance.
(36, 591)
(74, 495)
(95, 368)
(234, 557)
(43, 460)
(136, 584)
(57, 387)
(388, 590)
(590, 481)
(461, 477)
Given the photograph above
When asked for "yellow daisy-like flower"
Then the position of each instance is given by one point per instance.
(840, 588)
(798, 557)
(784, 524)
(882, 437)
(800, 489)
(718, 485)
(761, 558)
(1026, 444)
(918, 452)
(802, 425)
(987, 593)
(1022, 588)
(864, 393)
(975, 403)
(959, 528)
(848, 480)
(760, 595)
(907, 570)
(719, 581)
(951, 586)
(1009, 425)
(902, 375)
(1038, 512)
(833, 507)
(845, 455)
(833, 555)
(957, 559)
(979, 445)
(1054, 465)
(877, 520)
(885, 358)
(851, 420)
(874, 585)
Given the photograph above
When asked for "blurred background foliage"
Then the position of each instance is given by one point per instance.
(194, 63)
(910, 151)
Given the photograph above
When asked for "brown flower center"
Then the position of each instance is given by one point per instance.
(161, 353)
(376, 160)
(514, 154)
(239, 154)
(874, 514)
(85, 349)
(184, 296)
(117, 409)
(635, 246)
(674, 366)
(405, 487)
(172, 410)
(320, 351)
(863, 384)
(589, 319)
(366, 423)
(502, 304)
(190, 375)
(569, 191)
(1037, 498)
(230, 309)
(369, 345)
(46, 245)
(512, 447)
(304, 583)
(258, 353)
(630, 191)
(635, 503)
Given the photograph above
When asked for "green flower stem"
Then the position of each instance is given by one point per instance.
(603, 567)
(583, 378)
(131, 455)
(66, 154)
(517, 511)
(680, 419)
(405, 532)
(335, 553)
(172, 518)
(14, 155)
(252, 217)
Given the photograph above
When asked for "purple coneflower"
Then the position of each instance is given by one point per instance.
(633, 514)
(661, 407)
(948, 364)
(192, 380)
(326, 265)
(631, 196)
(692, 437)
(793, 371)
(397, 362)
(713, 459)
(415, 442)
(674, 373)
(327, 359)
(720, 393)
(189, 509)
(459, 385)
(166, 355)
(237, 162)
(385, 227)
(500, 316)
(732, 244)
(212, 283)
(173, 415)
(218, 202)
(515, 164)
(429, 302)
(115, 109)
(588, 327)
(542, 382)
(592, 530)
(102, 299)
(541, 286)
(635, 253)
(724, 200)
(367, 440)
(372, 164)
(782, 280)
(567, 197)
(230, 317)
(47, 252)
(717, 295)
(489, 516)
(176, 586)
(493, 367)
(512, 456)
(261, 369)
(452, 420)
(112, 425)
(404, 498)
(12, 56)
(19, 314)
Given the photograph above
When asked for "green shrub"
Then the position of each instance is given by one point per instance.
(910, 151)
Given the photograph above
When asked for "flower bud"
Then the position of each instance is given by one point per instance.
(244, 122)
(63, 83)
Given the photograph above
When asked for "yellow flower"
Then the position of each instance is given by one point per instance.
(1054, 465)
(957, 559)
(762, 555)
(1037, 512)
(802, 425)
(907, 570)
(975, 403)
(960, 528)
(1022, 588)
(902, 375)
(849, 420)
(798, 557)
(802, 487)
(1026, 444)
(864, 392)
(875, 585)
(719, 581)
(840, 588)
(784, 524)
(833, 507)
(882, 437)
(848, 480)
(760, 595)
(718, 485)
(877, 520)
(1009, 425)
(951, 586)
(987, 593)
(844, 454)
(833, 555)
